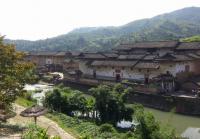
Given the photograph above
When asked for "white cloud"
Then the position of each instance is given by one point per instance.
(39, 19)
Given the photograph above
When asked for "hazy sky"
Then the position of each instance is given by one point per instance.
(39, 19)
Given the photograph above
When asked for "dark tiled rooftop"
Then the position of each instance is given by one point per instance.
(147, 45)
(147, 65)
(189, 46)
(114, 63)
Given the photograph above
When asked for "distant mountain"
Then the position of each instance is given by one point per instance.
(170, 26)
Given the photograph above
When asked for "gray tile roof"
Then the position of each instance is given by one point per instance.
(146, 65)
(150, 57)
(110, 55)
(193, 55)
(46, 53)
(91, 56)
(189, 46)
(60, 54)
(132, 56)
(179, 57)
(147, 45)
(114, 63)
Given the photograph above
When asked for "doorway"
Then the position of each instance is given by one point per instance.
(118, 77)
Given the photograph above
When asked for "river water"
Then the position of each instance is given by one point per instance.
(178, 121)
(39, 91)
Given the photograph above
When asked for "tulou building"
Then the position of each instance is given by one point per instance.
(164, 75)
(143, 62)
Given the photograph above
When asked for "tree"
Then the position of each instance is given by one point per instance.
(191, 39)
(54, 100)
(110, 105)
(15, 72)
(149, 128)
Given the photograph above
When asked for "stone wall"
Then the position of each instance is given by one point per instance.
(189, 106)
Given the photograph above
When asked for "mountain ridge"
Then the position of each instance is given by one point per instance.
(169, 26)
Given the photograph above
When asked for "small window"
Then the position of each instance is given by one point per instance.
(139, 70)
(148, 70)
(123, 68)
(131, 68)
(117, 71)
(187, 68)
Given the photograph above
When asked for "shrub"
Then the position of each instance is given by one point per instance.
(35, 132)
(106, 128)
(28, 95)
(86, 137)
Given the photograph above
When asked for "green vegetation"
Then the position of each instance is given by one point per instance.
(191, 39)
(175, 25)
(108, 103)
(69, 101)
(82, 128)
(35, 132)
(149, 128)
(22, 101)
(14, 74)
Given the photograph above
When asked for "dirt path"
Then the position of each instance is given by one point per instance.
(53, 128)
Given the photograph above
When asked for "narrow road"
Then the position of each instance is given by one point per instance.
(53, 128)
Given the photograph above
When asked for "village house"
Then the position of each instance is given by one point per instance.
(51, 61)
(141, 62)
(144, 62)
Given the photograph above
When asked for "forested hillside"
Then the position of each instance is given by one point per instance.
(171, 26)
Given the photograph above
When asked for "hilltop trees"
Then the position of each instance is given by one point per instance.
(171, 26)
(14, 74)
(191, 39)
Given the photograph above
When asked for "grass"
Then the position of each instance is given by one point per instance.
(24, 102)
(62, 122)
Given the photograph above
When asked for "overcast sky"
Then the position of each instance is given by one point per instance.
(40, 19)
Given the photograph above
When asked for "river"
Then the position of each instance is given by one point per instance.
(178, 121)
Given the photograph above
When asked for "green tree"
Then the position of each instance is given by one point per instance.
(149, 128)
(54, 100)
(110, 105)
(68, 101)
(191, 39)
(15, 72)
